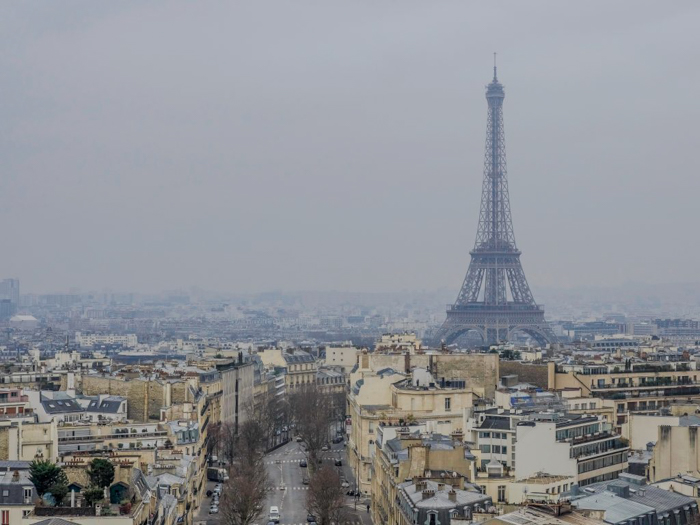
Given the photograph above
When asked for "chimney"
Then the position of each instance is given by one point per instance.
(452, 495)
(72, 498)
(15, 476)
(427, 494)
(240, 358)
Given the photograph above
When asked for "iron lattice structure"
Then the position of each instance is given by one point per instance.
(495, 299)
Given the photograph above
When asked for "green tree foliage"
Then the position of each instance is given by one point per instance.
(45, 474)
(59, 491)
(93, 495)
(101, 472)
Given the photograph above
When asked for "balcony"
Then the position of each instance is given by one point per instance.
(103, 437)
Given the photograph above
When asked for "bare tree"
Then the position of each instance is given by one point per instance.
(249, 444)
(244, 494)
(227, 441)
(214, 434)
(312, 412)
(325, 497)
(268, 410)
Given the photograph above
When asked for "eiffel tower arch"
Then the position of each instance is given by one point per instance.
(495, 300)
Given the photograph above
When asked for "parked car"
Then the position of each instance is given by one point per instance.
(298, 439)
(337, 439)
(345, 484)
(305, 481)
(324, 448)
(311, 518)
(213, 509)
(302, 463)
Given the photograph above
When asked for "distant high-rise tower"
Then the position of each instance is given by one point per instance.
(9, 289)
(495, 299)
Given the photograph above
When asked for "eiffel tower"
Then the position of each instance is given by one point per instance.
(495, 299)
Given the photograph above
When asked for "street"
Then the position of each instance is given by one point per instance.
(289, 492)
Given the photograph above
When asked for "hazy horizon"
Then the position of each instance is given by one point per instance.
(263, 146)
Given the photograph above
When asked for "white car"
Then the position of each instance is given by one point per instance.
(345, 484)
(274, 514)
(213, 509)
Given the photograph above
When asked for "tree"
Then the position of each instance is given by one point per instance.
(214, 438)
(244, 494)
(250, 442)
(227, 440)
(325, 497)
(312, 412)
(101, 472)
(45, 474)
(93, 495)
(59, 491)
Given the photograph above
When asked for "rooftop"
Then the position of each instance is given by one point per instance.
(440, 498)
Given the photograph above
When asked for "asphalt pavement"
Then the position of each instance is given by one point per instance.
(289, 492)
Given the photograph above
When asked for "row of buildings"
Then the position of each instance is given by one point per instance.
(451, 437)
(153, 419)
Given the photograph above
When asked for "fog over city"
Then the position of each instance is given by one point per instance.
(256, 146)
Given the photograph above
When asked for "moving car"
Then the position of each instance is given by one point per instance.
(337, 439)
(324, 448)
(345, 484)
(302, 463)
(310, 518)
(338, 462)
(305, 481)
(274, 514)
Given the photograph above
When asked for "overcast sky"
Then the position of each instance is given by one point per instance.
(328, 145)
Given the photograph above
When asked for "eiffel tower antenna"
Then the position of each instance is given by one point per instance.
(495, 299)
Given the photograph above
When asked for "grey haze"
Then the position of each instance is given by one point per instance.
(251, 146)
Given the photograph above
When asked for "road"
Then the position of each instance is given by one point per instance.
(289, 492)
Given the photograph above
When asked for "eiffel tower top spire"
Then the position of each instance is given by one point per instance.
(495, 76)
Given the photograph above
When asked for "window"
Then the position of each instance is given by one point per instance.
(501, 493)
(5, 493)
(448, 404)
(27, 492)
(5, 515)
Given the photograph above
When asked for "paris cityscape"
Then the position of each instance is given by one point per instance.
(362, 263)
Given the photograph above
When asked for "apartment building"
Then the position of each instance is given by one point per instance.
(22, 440)
(412, 453)
(89, 340)
(436, 503)
(14, 403)
(301, 369)
(341, 356)
(17, 495)
(631, 385)
(389, 398)
(580, 446)
(237, 385)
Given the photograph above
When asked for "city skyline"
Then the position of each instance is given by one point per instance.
(355, 166)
